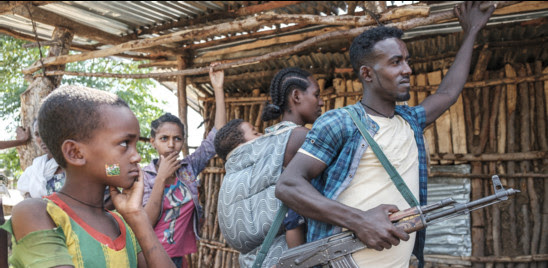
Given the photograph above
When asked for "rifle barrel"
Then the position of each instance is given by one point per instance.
(466, 207)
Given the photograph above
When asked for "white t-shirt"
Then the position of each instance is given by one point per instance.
(372, 186)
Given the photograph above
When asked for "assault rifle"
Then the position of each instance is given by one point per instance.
(336, 250)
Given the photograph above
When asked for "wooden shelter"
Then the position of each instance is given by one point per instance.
(498, 125)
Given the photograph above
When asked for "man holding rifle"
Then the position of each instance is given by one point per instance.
(352, 188)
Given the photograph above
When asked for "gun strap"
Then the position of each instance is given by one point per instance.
(261, 255)
(394, 175)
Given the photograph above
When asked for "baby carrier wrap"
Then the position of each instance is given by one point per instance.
(247, 205)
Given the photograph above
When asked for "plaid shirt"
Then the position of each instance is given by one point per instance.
(335, 140)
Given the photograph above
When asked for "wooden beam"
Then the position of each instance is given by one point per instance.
(347, 20)
(50, 18)
(240, 55)
(164, 63)
(521, 156)
(6, 7)
(523, 6)
(253, 35)
(479, 84)
(251, 22)
(269, 6)
(486, 259)
(272, 41)
(219, 15)
(150, 42)
(487, 176)
(82, 30)
(242, 76)
(242, 25)
(41, 43)
(72, 47)
(30, 38)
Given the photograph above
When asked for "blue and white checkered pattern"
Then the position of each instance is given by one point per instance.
(335, 140)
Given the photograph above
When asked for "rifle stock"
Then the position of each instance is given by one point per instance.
(336, 250)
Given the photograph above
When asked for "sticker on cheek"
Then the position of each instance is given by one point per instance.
(112, 170)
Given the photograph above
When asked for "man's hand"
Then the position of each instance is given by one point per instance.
(22, 134)
(168, 166)
(217, 77)
(376, 231)
(471, 18)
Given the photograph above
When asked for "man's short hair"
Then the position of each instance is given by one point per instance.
(72, 112)
(228, 138)
(362, 46)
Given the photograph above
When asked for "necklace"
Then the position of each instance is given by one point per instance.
(89, 205)
(390, 117)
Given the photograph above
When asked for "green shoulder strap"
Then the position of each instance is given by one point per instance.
(394, 175)
(270, 236)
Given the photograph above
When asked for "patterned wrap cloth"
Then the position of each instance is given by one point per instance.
(247, 205)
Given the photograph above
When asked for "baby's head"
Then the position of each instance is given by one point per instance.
(234, 133)
(167, 133)
(92, 129)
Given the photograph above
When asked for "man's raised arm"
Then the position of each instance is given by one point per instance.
(472, 20)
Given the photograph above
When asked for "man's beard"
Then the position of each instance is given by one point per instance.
(403, 97)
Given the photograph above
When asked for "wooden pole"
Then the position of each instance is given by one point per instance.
(492, 148)
(479, 131)
(527, 197)
(421, 88)
(443, 123)
(511, 244)
(542, 113)
(37, 90)
(183, 104)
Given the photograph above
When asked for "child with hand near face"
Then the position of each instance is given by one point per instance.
(93, 135)
(171, 186)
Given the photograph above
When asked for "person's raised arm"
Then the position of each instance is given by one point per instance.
(472, 20)
(22, 137)
(128, 204)
(217, 80)
(295, 190)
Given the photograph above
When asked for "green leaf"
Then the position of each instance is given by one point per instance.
(136, 92)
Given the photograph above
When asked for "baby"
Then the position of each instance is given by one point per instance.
(236, 133)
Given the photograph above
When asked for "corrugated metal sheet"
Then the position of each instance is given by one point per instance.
(123, 18)
(453, 236)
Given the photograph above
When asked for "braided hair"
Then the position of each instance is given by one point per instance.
(166, 118)
(283, 83)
